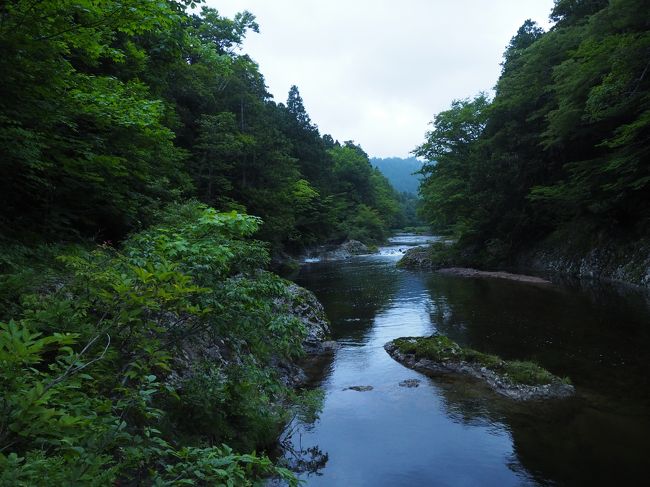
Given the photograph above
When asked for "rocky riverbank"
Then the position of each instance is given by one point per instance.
(520, 381)
(619, 261)
(342, 251)
(625, 262)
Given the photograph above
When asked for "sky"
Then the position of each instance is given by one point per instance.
(376, 71)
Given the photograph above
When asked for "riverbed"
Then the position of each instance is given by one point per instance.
(453, 431)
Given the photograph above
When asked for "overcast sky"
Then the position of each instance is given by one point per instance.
(376, 71)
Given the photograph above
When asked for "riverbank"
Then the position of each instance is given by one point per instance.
(616, 261)
(468, 272)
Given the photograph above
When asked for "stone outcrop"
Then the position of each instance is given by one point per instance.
(500, 384)
(417, 258)
(614, 261)
(342, 251)
(302, 304)
(610, 260)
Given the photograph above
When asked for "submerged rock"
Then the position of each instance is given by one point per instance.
(410, 383)
(359, 388)
(436, 355)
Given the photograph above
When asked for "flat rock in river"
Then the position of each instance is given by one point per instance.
(500, 383)
(410, 383)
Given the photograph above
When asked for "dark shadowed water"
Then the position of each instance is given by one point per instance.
(454, 432)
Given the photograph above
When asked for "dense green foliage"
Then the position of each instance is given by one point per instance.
(136, 366)
(109, 110)
(564, 142)
(153, 358)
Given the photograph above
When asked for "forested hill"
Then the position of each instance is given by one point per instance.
(400, 172)
(146, 178)
(562, 150)
(111, 110)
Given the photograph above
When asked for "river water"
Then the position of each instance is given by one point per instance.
(453, 431)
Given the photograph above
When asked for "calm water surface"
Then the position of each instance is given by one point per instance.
(454, 432)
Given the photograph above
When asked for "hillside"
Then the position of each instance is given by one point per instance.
(556, 163)
(400, 172)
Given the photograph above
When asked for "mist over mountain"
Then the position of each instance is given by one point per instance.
(399, 172)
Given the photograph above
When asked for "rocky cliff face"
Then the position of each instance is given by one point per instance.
(627, 262)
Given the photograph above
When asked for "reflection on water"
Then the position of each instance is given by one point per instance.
(453, 431)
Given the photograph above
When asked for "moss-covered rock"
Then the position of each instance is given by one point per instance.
(434, 256)
(517, 380)
(416, 258)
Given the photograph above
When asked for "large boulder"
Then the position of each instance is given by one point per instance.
(417, 258)
(302, 304)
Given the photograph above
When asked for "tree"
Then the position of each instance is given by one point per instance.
(296, 108)
(449, 175)
(218, 147)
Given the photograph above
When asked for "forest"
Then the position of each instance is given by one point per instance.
(147, 180)
(111, 110)
(561, 152)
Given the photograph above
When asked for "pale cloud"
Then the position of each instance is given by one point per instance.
(377, 71)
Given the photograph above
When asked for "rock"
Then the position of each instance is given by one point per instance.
(416, 258)
(498, 383)
(303, 304)
(354, 247)
(612, 260)
(410, 383)
(342, 251)
(329, 346)
(359, 388)
(197, 349)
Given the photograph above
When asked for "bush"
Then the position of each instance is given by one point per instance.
(94, 388)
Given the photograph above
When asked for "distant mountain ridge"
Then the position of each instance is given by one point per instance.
(399, 172)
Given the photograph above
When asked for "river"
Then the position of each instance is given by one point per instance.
(453, 431)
